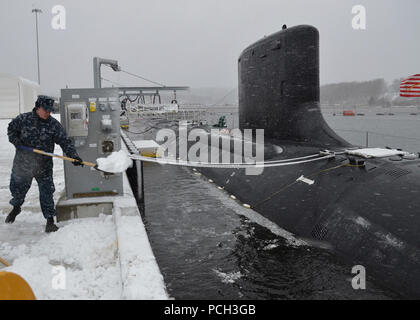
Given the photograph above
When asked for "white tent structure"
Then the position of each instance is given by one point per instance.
(17, 95)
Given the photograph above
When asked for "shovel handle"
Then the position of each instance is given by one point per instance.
(89, 164)
(4, 262)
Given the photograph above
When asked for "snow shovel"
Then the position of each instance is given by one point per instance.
(48, 154)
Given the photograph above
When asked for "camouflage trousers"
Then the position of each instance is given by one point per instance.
(20, 184)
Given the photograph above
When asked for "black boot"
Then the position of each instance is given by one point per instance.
(50, 227)
(12, 215)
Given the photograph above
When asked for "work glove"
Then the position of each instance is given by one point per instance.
(78, 161)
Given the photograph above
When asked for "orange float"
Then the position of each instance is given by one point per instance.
(348, 113)
(14, 287)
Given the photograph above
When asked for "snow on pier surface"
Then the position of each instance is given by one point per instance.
(86, 248)
(108, 257)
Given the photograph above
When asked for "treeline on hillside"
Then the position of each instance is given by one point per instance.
(372, 93)
(353, 92)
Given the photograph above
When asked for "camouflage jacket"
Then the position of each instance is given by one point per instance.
(29, 130)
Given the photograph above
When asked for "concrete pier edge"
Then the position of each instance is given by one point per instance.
(141, 278)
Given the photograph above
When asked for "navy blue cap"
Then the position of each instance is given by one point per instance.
(47, 103)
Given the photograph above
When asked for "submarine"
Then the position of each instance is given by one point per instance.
(366, 209)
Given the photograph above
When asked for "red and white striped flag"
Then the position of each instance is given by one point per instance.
(410, 87)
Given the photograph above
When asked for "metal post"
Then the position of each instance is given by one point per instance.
(36, 11)
(97, 62)
(367, 139)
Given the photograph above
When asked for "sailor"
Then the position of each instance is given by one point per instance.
(37, 129)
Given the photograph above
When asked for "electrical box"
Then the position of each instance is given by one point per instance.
(91, 119)
(77, 121)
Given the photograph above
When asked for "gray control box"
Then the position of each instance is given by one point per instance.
(91, 118)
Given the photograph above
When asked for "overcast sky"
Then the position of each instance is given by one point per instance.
(197, 42)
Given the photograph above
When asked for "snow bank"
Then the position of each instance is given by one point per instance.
(116, 162)
(86, 248)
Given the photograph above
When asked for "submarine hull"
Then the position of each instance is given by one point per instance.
(368, 214)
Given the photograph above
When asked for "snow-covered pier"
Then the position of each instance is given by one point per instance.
(104, 257)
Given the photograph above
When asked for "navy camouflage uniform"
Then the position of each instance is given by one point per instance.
(28, 129)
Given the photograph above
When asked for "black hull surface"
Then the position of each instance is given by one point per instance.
(368, 214)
